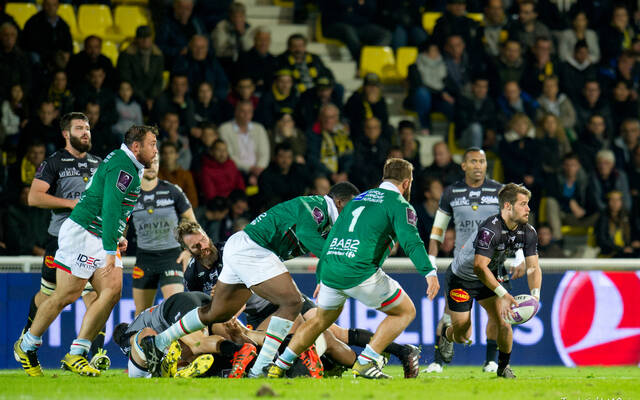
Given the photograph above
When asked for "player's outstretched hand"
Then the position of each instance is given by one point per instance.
(123, 243)
(505, 304)
(518, 271)
(432, 287)
(184, 258)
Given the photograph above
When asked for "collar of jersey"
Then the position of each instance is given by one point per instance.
(133, 158)
(333, 210)
(389, 186)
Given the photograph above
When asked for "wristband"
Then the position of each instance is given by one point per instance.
(434, 272)
(500, 291)
(536, 293)
(432, 260)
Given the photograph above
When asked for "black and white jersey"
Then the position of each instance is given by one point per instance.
(156, 215)
(496, 241)
(67, 177)
(469, 206)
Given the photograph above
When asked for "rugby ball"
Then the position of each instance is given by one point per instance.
(527, 309)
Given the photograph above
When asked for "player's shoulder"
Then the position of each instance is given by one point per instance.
(493, 222)
(491, 186)
(93, 159)
(166, 185)
(528, 229)
(455, 189)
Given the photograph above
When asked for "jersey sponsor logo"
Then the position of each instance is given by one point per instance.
(41, 167)
(148, 197)
(83, 165)
(258, 218)
(124, 180)
(412, 218)
(67, 159)
(459, 201)
(489, 189)
(137, 272)
(317, 214)
(458, 190)
(344, 247)
(48, 262)
(459, 295)
(164, 202)
(67, 172)
(488, 200)
(484, 238)
(174, 272)
(162, 192)
(474, 193)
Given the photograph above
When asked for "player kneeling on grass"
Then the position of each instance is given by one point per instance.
(350, 265)
(477, 272)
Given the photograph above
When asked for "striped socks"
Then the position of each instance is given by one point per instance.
(286, 359)
(277, 330)
(80, 347)
(188, 324)
(369, 355)
(30, 342)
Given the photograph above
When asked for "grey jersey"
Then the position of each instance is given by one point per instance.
(156, 215)
(469, 207)
(67, 177)
(495, 241)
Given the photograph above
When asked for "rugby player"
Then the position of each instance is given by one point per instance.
(477, 272)
(253, 263)
(88, 250)
(350, 267)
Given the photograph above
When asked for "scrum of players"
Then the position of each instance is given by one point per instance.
(197, 333)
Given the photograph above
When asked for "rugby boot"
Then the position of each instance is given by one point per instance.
(311, 360)
(411, 361)
(490, 366)
(28, 359)
(275, 372)
(241, 360)
(78, 364)
(152, 354)
(100, 360)
(370, 370)
(445, 347)
(169, 364)
(198, 367)
(506, 372)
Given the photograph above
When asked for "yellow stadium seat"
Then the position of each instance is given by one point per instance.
(77, 47)
(379, 60)
(166, 75)
(405, 56)
(320, 38)
(21, 12)
(67, 13)
(453, 146)
(110, 50)
(128, 18)
(429, 21)
(144, 3)
(498, 171)
(95, 19)
(478, 17)
(283, 3)
(542, 211)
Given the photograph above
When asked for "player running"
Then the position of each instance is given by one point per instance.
(253, 263)
(350, 267)
(477, 272)
(88, 245)
(158, 258)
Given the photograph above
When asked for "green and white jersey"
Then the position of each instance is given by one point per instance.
(109, 198)
(366, 230)
(295, 227)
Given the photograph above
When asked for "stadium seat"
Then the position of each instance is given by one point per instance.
(128, 18)
(451, 140)
(144, 3)
(21, 12)
(379, 60)
(95, 19)
(110, 49)
(405, 56)
(68, 14)
(77, 47)
(478, 17)
(283, 3)
(166, 75)
(429, 21)
(320, 38)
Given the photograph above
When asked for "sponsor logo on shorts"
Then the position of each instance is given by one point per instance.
(124, 180)
(459, 295)
(317, 214)
(484, 238)
(174, 272)
(412, 218)
(48, 262)
(137, 272)
(89, 261)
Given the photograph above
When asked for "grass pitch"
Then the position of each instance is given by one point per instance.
(460, 383)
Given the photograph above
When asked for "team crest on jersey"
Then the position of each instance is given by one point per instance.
(412, 218)
(317, 214)
(484, 238)
(124, 180)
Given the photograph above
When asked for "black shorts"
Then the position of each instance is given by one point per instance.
(156, 269)
(48, 281)
(461, 292)
(255, 319)
(179, 304)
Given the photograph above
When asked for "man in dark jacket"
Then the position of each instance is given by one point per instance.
(590, 103)
(283, 179)
(576, 71)
(80, 64)
(305, 67)
(281, 99)
(173, 35)
(14, 63)
(591, 140)
(454, 22)
(443, 167)
(475, 115)
(370, 154)
(306, 113)
(258, 63)
(365, 103)
(46, 32)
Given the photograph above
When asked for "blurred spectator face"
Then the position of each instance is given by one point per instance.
(244, 113)
(457, 9)
(170, 123)
(286, 125)
(527, 13)
(550, 125)
(179, 86)
(591, 92)
(372, 93)
(298, 48)
(329, 117)
(321, 186)
(182, 10)
(47, 113)
(630, 131)
(494, 12)
(199, 47)
(406, 135)
(61, 59)
(372, 129)
(520, 126)
(220, 153)
(262, 42)
(620, 18)
(550, 88)
(625, 64)
(449, 241)
(245, 89)
(604, 165)
(92, 112)
(205, 93)
(581, 54)
(35, 155)
(324, 94)
(433, 52)
(614, 202)
(96, 78)
(570, 168)
(239, 207)
(8, 37)
(580, 22)
(454, 46)
(284, 83)
(441, 155)
(209, 135)
(169, 157)
(238, 19)
(50, 8)
(284, 159)
(542, 49)
(596, 125)
(395, 153)
(434, 192)
(512, 51)
(621, 92)
(512, 92)
(17, 94)
(125, 91)
(480, 88)
(93, 48)
(59, 83)
(544, 235)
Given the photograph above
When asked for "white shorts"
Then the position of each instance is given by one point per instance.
(246, 262)
(80, 253)
(379, 291)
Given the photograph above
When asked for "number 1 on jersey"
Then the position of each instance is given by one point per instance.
(356, 214)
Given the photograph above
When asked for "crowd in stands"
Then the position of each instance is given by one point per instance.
(549, 88)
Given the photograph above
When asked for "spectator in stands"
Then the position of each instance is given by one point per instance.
(527, 27)
(454, 21)
(128, 110)
(566, 201)
(142, 63)
(623, 104)
(173, 35)
(634, 180)
(94, 89)
(625, 70)
(616, 37)
(443, 166)
(624, 145)
(520, 125)
(353, 23)
(171, 171)
(306, 68)
(474, 118)
(4, 17)
(591, 140)
(207, 107)
(329, 146)
(427, 85)
(552, 142)
(103, 141)
(80, 63)
(403, 19)
(218, 176)
(42, 128)
(365, 103)
(308, 107)
(281, 98)
(45, 33)
(170, 132)
(14, 114)
(558, 104)
(14, 64)
(212, 12)
(615, 234)
(285, 131)
(211, 218)
(509, 67)
(283, 179)
(320, 186)
(579, 31)
(409, 146)
(238, 209)
(232, 36)
(430, 190)
(605, 179)
(243, 90)
(458, 65)
(199, 65)
(513, 101)
(547, 248)
(26, 226)
(541, 65)
(557, 14)
(592, 102)
(577, 71)
(200, 142)
(176, 100)
(495, 30)
(370, 154)
(248, 142)
(59, 94)
(258, 63)
(22, 172)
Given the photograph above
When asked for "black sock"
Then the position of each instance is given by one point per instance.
(492, 350)
(503, 359)
(362, 337)
(33, 309)
(98, 342)
(285, 343)
(229, 348)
